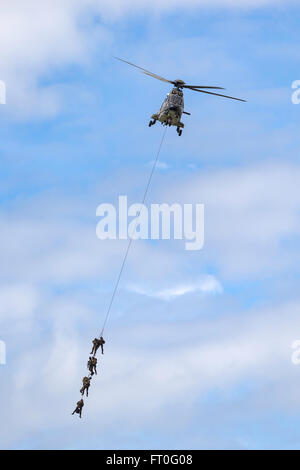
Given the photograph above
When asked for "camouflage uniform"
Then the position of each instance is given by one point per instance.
(86, 382)
(78, 409)
(96, 344)
(92, 365)
(102, 342)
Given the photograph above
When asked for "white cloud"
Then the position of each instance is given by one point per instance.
(249, 212)
(17, 301)
(37, 38)
(207, 285)
(62, 248)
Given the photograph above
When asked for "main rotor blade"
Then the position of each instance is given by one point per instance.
(217, 94)
(198, 86)
(146, 71)
(158, 77)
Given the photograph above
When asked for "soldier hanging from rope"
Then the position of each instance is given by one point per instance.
(78, 409)
(96, 345)
(92, 365)
(86, 382)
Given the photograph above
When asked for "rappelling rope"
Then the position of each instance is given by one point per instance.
(129, 244)
(131, 239)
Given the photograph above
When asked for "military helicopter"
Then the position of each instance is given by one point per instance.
(173, 106)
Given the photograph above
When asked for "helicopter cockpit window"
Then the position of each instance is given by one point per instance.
(175, 99)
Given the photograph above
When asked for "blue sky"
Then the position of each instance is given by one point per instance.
(210, 368)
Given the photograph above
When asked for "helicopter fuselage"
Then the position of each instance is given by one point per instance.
(171, 110)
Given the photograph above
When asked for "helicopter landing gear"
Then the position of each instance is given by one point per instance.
(179, 131)
(151, 123)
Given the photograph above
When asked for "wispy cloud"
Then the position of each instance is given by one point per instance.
(17, 301)
(160, 165)
(207, 285)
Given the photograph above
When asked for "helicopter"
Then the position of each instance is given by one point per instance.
(172, 108)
